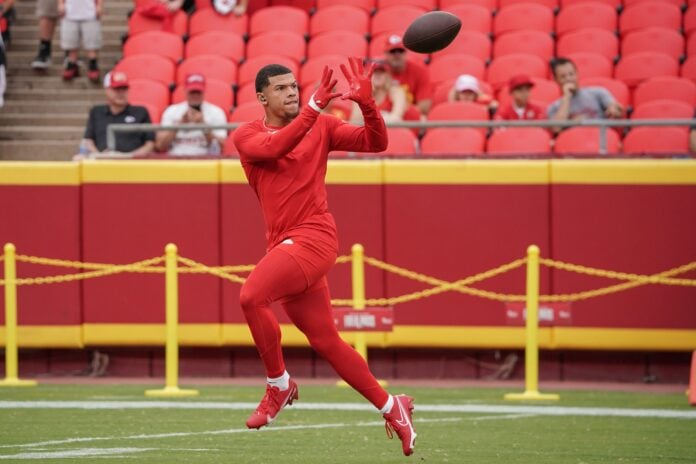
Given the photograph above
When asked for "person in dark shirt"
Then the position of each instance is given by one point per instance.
(117, 111)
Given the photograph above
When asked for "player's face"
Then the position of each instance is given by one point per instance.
(281, 97)
(117, 97)
(521, 94)
(566, 74)
(194, 97)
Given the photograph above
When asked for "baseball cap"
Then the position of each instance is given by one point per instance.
(393, 42)
(116, 80)
(467, 82)
(195, 82)
(519, 80)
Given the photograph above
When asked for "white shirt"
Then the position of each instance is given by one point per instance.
(80, 10)
(193, 142)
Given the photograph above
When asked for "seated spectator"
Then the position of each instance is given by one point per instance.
(7, 15)
(116, 111)
(579, 103)
(520, 87)
(390, 98)
(194, 110)
(225, 7)
(80, 24)
(413, 77)
(466, 88)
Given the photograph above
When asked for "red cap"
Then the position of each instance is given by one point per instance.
(116, 80)
(393, 42)
(195, 82)
(520, 80)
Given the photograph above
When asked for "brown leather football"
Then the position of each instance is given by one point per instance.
(432, 32)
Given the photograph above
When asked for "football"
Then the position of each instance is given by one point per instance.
(432, 32)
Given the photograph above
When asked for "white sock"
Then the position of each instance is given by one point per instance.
(388, 405)
(282, 382)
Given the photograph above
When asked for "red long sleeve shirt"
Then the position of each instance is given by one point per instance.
(286, 166)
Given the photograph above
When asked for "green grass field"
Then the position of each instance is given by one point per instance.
(454, 425)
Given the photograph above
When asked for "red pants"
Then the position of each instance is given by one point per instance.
(295, 275)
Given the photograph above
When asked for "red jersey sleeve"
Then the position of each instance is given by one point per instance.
(372, 137)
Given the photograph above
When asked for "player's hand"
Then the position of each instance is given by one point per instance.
(359, 80)
(325, 93)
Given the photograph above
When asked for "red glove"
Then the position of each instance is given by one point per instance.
(324, 93)
(360, 82)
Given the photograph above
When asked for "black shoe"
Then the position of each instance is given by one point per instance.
(41, 62)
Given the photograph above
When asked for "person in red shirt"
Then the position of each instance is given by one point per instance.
(412, 76)
(519, 106)
(284, 156)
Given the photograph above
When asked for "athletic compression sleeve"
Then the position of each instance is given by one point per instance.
(372, 137)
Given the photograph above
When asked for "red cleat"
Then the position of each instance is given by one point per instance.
(273, 401)
(399, 420)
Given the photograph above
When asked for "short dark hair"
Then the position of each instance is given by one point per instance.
(269, 71)
(560, 61)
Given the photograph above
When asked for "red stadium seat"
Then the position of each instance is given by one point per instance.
(282, 43)
(593, 40)
(394, 19)
(247, 112)
(543, 93)
(138, 23)
(690, 20)
(592, 64)
(427, 5)
(249, 68)
(688, 68)
(279, 18)
(503, 68)
(519, 141)
(654, 39)
(587, 14)
(148, 66)
(663, 109)
(523, 16)
(367, 5)
(149, 92)
(649, 14)
(691, 45)
(612, 3)
(307, 5)
(636, 68)
(528, 41)
(202, 4)
(166, 44)
(402, 142)
(460, 111)
(344, 43)
(216, 92)
(490, 5)
(473, 17)
(678, 3)
(665, 88)
(472, 43)
(656, 140)
(451, 66)
(553, 4)
(584, 141)
(226, 44)
(340, 18)
(153, 111)
(246, 93)
(445, 141)
(312, 70)
(211, 66)
(617, 88)
(207, 20)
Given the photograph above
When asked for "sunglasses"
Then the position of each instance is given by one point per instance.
(397, 51)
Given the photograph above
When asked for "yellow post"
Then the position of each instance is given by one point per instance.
(171, 388)
(531, 363)
(11, 364)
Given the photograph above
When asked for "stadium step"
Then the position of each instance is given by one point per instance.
(8, 118)
(55, 82)
(112, 44)
(31, 32)
(37, 150)
(21, 63)
(65, 133)
(54, 106)
(48, 96)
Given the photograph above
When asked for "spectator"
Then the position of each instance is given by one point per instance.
(80, 21)
(236, 7)
(47, 12)
(520, 88)
(7, 14)
(194, 110)
(413, 77)
(466, 88)
(576, 102)
(390, 99)
(117, 111)
(2, 73)
(163, 10)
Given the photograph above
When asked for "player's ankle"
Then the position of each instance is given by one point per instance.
(282, 382)
(388, 405)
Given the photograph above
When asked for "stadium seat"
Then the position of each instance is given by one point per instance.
(503, 68)
(153, 111)
(460, 111)
(249, 68)
(691, 45)
(592, 64)
(211, 66)
(282, 43)
(528, 41)
(472, 43)
(543, 93)
(149, 92)
(688, 68)
(490, 5)
(312, 70)
(279, 18)
(245, 93)
(340, 18)
(402, 142)
(523, 16)
(649, 14)
(690, 20)
(367, 5)
(216, 92)
(226, 44)
(427, 5)
(587, 14)
(553, 4)
(447, 67)
(208, 20)
(166, 44)
(654, 39)
(665, 88)
(202, 4)
(247, 112)
(656, 140)
(678, 3)
(394, 19)
(593, 40)
(148, 66)
(663, 109)
(612, 3)
(137, 23)
(344, 43)
(519, 141)
(473, 17)
(636, 68)
(445, 141)
(584, 141)
(617, 88)
(307, 5)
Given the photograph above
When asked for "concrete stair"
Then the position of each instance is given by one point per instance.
(44, 117)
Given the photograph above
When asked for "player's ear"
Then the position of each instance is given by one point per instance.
(262, 98)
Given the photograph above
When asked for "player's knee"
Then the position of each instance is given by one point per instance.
(249, 298)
